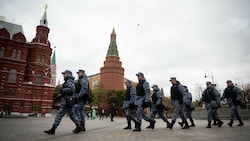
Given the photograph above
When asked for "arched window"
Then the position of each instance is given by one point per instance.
(39, 79)
(12, 76)
(38, 59)
(42, 60)
(13, 55)
(19, 54)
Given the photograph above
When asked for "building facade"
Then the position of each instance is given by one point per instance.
(25, 70)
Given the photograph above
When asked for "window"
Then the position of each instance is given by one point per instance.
(13, 92)
(39, 79)
(19, 53)
(12, 76)
(2, 52)
(42, 60)
(36, 107)
(6, 92)
(13, 54)
(38, 59)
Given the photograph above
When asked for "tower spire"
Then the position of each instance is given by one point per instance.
(44, 21)
(53, 60)
(112, 51)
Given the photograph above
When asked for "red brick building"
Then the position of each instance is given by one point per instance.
(25, 70)
(112, 73)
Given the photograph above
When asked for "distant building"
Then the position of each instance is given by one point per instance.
(26, 71)
(111, 76)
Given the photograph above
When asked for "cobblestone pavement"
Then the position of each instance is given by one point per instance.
(31, 129)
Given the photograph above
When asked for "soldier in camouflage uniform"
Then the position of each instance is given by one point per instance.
(142, 100)
(187, 107)
(81, 92)
(177, 91)
(157, 106)
(67, 90)
(233, 96)
(211, 97)
(128, 103)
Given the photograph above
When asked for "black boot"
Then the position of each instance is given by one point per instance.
(137, 127)
(78, 129)
(230, 124)
(51, 131)
(215, 123)
(192, 123)
(209, 124)
(171, 125)
(220, 123)
(152, 124)
(241, 122)
(83, 127)
(129, 125)
(186, 126)
(181, 123)
(149, 126)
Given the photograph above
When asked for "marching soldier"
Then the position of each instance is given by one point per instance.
(211, 97)
(233, 96)
(128, 103)
(177, 91)
(67, 103)
(157, 106)
(81, 91)
(142, 100)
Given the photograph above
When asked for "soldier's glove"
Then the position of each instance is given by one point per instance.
(146, 104)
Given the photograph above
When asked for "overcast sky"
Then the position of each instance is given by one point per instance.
(161, 38)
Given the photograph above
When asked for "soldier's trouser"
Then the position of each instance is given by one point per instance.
(161, 115)
(62, 111)
(187, 113)
(79, 112)
(211, 113)
(128, 113)
(234, 112)
(140, 114)
(178, 110)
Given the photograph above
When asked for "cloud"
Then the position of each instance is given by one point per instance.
(174, 38)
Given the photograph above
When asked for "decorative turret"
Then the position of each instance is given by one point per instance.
(42, 30)
(112, 73)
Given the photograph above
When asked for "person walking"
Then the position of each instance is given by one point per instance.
(233, 96)
(93, 114)
(188, 107)
(157, 106)
(81, 91)
(128, 103)
(211, 97)
(177, 91)
(112, 111)
(66, 95)
(142, 100)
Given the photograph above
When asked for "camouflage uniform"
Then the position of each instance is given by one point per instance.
(177, 91)
(128, 104)
(142, 98)
(67, 90)
(81, 91)
(211, 97)
(187, 101)
(233, 96)
(157, 106)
